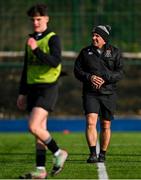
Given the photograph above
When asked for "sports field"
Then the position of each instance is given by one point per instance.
(123, 158)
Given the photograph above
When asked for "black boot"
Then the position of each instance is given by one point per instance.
(92, 158)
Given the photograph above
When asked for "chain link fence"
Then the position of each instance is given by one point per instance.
(73, 20)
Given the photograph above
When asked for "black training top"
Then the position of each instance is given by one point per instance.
(53, 59)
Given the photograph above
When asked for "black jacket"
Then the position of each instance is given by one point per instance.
(108, 65)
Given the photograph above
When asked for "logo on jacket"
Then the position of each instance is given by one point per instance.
(108, 53)
(89, 52)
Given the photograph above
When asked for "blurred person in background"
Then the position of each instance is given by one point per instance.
(99, 67)
(38, 90)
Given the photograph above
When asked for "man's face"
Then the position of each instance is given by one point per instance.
(97, 40)
(40, 23)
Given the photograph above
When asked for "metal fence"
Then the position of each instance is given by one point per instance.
(73, 21)
(129, 101)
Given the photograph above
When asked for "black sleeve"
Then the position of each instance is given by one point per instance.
(54, 58)
(117, 73)
(79, 70)
(23, 80)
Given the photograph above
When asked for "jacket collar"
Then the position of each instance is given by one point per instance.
(39, 36)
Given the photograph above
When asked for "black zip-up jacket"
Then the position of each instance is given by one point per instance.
(108, 65)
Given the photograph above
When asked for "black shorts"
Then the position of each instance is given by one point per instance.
(104, 105)
(44, 96)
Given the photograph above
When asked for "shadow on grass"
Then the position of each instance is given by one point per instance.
(124, 154)
(26, 153)
(14, 153)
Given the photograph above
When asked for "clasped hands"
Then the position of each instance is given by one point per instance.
(97, 81)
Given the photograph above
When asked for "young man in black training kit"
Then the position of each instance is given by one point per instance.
(99, 67)
(39, 89)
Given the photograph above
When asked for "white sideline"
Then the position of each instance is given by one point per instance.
(102, 173)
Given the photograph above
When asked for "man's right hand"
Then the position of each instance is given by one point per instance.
(21, 102)
(97, 81)
(32, 43)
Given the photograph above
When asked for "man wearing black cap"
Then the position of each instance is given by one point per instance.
(99, 67)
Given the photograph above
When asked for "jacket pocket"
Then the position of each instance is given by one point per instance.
(107, 89)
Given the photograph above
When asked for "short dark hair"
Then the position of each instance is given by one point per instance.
(38, 10)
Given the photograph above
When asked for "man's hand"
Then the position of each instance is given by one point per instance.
(97, 81)
(32, 43)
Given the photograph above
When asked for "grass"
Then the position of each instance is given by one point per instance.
(17, 156)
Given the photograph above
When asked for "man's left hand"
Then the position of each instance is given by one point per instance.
(97, 81)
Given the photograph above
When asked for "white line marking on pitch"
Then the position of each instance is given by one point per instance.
(102, 173)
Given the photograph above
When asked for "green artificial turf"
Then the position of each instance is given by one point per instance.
(123, 160)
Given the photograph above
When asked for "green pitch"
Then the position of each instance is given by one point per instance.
(17, 156)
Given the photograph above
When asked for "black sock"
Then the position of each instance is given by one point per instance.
(51, 144)
(92, 149)
(40, 157)
(102, 152)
